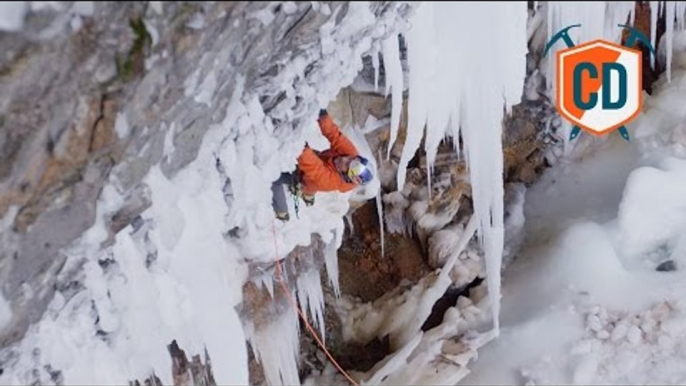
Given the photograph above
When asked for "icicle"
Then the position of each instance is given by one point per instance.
(351, 225)
(375, 64)
(681, 15)
(268, 283)
(420, 61)
(277, 346)
(394, 81)
(331, 261)
(379, 210)
(311, 298)
(654, 9)
(670, 12)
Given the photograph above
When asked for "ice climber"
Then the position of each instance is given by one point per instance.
(339, 168)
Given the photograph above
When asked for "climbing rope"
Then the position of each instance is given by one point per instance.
(294, 304)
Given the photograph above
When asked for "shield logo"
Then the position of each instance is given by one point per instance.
(599, 85)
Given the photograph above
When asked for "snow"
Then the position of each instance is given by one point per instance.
(157, 7)
(289, 7)
(265, 16)
(121, 126)
(207, 89)
(196, 21)
(584, 302)
(169, 140)
(12, 15)
(652, 212)
(84, 8)
(5, 312)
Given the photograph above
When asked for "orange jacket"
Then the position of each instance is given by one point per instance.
(317, 170)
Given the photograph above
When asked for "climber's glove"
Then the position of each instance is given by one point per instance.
(309, 199)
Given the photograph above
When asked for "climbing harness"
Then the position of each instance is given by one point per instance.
(296, 204)
(301, 314)
(295, 188)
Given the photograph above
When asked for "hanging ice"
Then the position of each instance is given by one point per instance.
(379, 210)
(375, 64)
(276, 346)
(461, 85)
(331, 261)
(674, 13)
(654, 10)
(670, 11)
(311, 298)
(394, 82)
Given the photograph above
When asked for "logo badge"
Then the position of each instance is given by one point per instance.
(599, 83)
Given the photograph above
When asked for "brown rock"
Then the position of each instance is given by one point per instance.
(103, 133)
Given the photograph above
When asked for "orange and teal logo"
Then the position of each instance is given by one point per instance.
(599, 83)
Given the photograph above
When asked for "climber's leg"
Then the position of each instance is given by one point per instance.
(279, 202)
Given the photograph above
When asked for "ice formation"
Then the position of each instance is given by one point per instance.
(379, 209)
(460, 83)
(400, 314)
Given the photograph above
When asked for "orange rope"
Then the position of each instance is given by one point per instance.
(291, 299)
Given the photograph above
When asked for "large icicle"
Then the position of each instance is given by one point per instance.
(311, 297)
(276, 346)
(394, 81)
(331, 261)
(463, 73)
(654, 12)
(670, 12)
(375, 64)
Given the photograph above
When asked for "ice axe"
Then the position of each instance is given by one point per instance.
(562, 34)
(634, 35)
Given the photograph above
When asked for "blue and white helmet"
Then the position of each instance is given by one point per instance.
(360, 168)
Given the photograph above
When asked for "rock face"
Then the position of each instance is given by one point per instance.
(98, 97)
